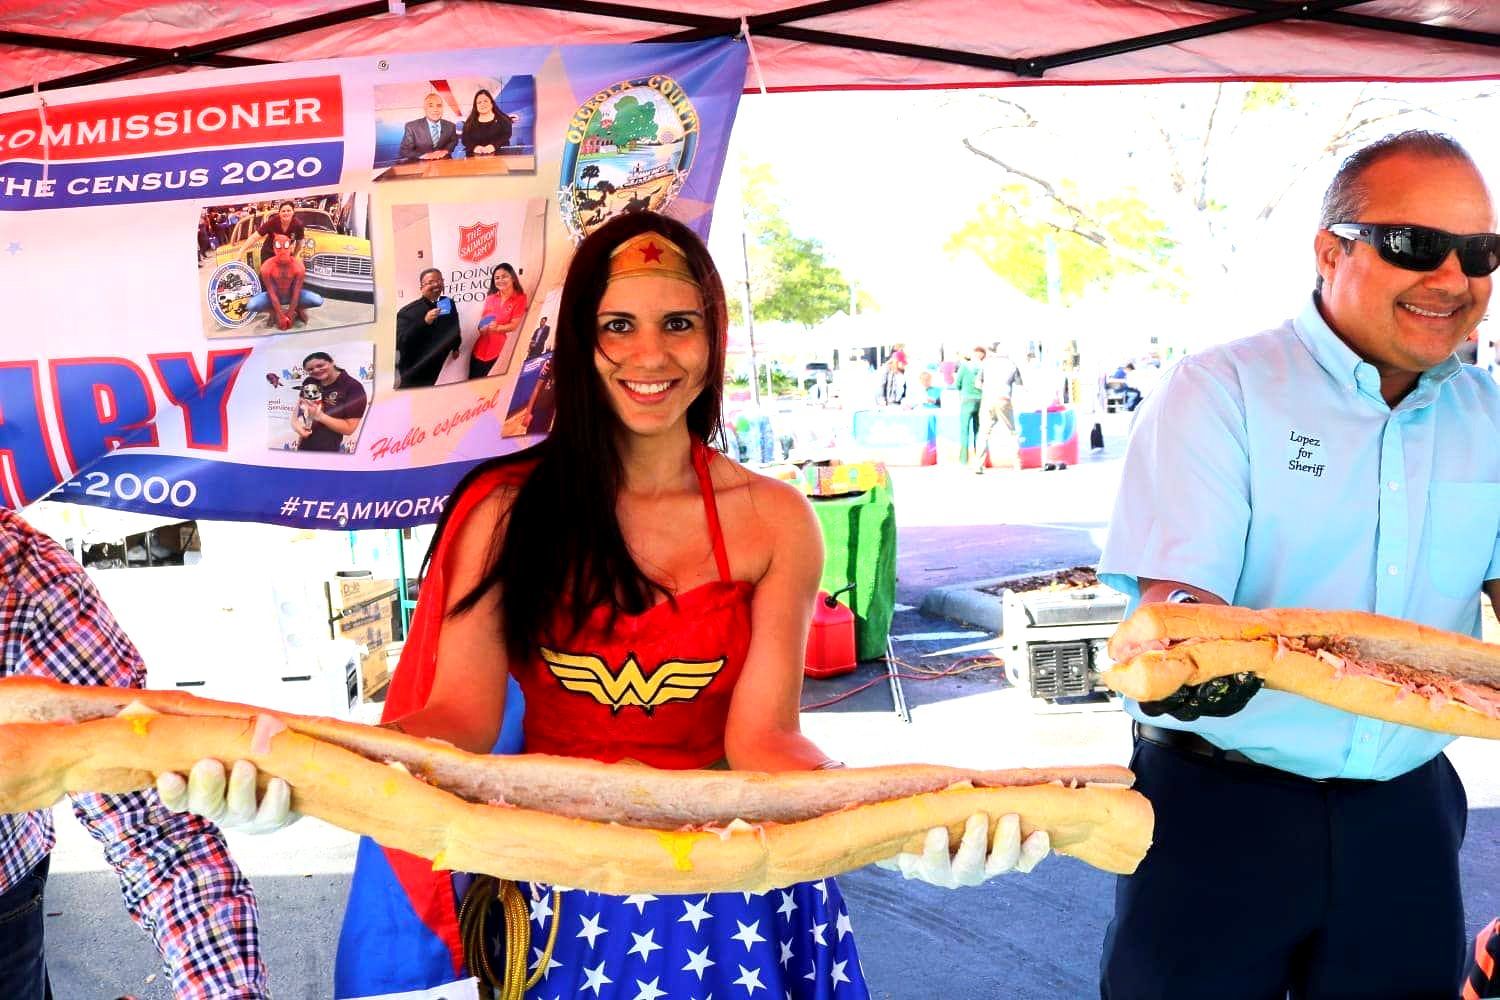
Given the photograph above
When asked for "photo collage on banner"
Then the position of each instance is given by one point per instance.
(305, 394)
(487, 259)
(286, 265)
(535, 399)
(462, 127)
(372, 301)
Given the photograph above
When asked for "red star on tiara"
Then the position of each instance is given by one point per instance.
(651, 254)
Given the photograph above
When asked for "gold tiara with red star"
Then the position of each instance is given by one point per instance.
(649, 255)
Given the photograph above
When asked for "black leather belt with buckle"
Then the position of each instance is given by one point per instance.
(1186, 742)
(1179, 739)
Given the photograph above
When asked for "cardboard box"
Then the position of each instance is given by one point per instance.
(372, 632)
(375, 671)
(363, 609)
(367, 615)
(345, 592)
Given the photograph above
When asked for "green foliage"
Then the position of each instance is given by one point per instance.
(808, 289)
(1266, 96)
(1094, 241)
(633, 121)
(782, 383)
(791, 279)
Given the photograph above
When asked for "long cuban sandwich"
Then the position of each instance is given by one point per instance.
(615, 828)
(1384, 668)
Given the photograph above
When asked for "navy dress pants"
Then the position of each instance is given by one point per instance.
(23, 973)
(1261, 884)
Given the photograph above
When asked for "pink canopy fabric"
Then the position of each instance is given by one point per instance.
(843, 44)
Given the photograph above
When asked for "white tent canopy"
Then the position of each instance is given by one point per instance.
(835, 44)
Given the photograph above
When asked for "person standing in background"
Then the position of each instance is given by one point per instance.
(893, 382)
(1001, 377)
(970, 384)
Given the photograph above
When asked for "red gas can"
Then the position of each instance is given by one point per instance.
(830, 643)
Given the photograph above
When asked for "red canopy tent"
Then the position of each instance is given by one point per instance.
(839, 44)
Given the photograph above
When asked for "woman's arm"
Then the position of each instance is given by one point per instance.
(518, 314)
(342, 426)
(467, 702)
(763, 732)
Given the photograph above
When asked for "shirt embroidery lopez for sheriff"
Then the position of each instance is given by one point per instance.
(1305, 454)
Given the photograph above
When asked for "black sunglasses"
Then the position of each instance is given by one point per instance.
(1418, 248)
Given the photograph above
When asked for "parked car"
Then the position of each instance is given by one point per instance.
(810, 374)
(337, 264)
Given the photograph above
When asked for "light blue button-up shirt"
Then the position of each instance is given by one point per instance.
(1270, 471)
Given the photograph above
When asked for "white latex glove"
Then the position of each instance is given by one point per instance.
(969, 865)
(231, 804)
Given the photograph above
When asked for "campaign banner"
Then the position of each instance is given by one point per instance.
(316, 294)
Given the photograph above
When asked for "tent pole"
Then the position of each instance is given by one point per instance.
(1389, 24)
(759, 22)
(771, 24)
(117, 50)
(1270, 15)
(749, 309)
(401, 595)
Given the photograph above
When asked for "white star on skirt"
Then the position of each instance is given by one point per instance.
(750, 979)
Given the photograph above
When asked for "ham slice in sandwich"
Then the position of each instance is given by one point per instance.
(1371, 665)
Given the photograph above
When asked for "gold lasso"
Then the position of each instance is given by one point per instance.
(473, 921)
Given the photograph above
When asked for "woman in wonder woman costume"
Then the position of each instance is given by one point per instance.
(591, 569)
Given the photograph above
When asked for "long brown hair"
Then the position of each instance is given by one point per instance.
(515, 279)
(562, 547)
(472, 118)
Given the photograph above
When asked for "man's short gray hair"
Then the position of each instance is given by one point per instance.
(422, 275)
(1347, 196)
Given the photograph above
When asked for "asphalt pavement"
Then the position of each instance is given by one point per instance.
(1032, 937)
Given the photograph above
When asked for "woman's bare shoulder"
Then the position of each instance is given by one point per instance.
(478, 525)
(780, 505)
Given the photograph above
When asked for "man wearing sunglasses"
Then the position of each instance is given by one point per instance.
(1343, 460)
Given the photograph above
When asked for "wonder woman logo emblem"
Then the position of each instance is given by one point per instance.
(673, 680)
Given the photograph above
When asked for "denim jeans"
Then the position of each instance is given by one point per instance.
(23, 971)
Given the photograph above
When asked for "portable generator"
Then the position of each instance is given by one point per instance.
(1055, 641)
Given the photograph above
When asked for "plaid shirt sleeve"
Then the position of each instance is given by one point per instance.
(1483, 981)
(176, 875)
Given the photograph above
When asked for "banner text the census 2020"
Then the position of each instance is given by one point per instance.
(184, 143)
